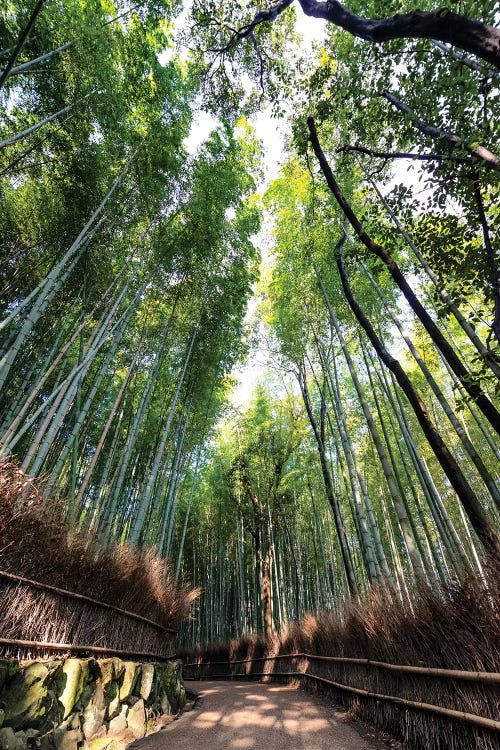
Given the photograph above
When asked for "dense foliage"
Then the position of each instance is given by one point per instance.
(127, 263)
(371, 493)
(370, 456)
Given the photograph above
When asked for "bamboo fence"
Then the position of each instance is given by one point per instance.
(38, 619)
(235, 670)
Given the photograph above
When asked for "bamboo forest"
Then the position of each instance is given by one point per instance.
(250, 350)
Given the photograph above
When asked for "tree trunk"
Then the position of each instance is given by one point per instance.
(20, 43)
(437, 133)
(469, 383)
(490, 254)
(152, 476)
(480, 522)
(45, 291)
(379, 447)
(267, 611)
(487, 356)
(409, 531)
(32, 63)
(364, 536)
(460, 31)
(339, 524)
(262, 558)
(23, 133)
(468, 445)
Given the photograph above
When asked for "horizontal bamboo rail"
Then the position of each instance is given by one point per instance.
(244, 661)
(479, 721)
(454, 674)
(72, 648)
(81, 597)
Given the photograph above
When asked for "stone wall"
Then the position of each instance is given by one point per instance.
(85, 704)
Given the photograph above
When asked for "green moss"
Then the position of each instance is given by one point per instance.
(76, 673)
(112, 699)
(130, 680)
(29, 699)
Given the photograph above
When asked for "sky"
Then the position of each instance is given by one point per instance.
(271, 132)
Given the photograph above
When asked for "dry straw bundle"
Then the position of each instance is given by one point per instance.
(37, 544)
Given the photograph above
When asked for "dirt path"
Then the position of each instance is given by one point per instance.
(252, 716)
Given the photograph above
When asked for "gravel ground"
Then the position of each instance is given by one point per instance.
(251, 716)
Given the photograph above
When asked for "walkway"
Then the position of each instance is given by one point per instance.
(251, 716)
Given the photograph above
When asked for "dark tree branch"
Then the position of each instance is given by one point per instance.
(444, 25)
(337, 517)
(264, 15)
(471, 385)
(472, 64)
(246, 31)
(490, 254)
(261, 65)
(450, 466)
(437, 133)
(405, 155)
(461, 31)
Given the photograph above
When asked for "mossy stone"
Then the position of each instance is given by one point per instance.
(8, 669)
(101, 743)
(118, 667)
(76, 672)
(107, 668)
(112, 698)
(117, 725)
(136, 719)
(147, 681)
(173, 687)
(8, 740)
(130, 680)
(71, 722)
(29, 700)
(165, 706)
(94, 713)
(67, 740)
(94, 674)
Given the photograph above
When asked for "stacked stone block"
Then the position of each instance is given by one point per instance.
(85, 704)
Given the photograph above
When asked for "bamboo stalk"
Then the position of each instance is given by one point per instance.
(20, 42)
(23, 133)
(81, 597)
(32, 63)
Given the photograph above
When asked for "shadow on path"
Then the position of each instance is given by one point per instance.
(251, 716)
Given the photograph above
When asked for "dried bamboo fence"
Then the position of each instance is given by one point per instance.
(378, 687)
(37, 619)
